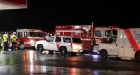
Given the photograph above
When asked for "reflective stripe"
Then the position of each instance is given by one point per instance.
(5, 38)
(131, 39)
(14, 39)
(57, 45)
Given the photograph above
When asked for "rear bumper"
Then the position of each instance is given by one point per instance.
(77, 51)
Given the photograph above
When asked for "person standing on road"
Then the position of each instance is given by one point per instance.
(5, 41)
(0, 41)
(13, 39)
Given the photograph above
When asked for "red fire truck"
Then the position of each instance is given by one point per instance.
(88, 36)
(28, 37)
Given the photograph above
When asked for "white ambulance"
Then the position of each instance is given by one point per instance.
(125, 45)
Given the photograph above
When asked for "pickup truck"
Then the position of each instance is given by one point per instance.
(63, 44)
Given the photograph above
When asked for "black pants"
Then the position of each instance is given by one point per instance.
(14, 45)
(5, 46)
(0, 45)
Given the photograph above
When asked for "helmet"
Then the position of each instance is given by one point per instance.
(14, 33)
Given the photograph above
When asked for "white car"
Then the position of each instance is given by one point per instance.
(63, 44)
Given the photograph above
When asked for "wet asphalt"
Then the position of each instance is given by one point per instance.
(29, 62)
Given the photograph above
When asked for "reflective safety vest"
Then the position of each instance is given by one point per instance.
(5, 38)
(14, 38)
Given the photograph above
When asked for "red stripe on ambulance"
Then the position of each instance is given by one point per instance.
(131, 40)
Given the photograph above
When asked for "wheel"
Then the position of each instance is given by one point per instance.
(50, 52)
(63, 50)
(21, 46)
(103, 54)
(137, 56)
(40, 48)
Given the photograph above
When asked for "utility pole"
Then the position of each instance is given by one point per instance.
(92, 33)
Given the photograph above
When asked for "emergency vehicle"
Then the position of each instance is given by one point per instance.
(125, 45)
(85, 32)
(28, 37)
(63, 44)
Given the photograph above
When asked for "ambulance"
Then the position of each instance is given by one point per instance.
(124, 45)
(28, 37)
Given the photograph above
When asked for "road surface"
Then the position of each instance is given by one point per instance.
(29, 62)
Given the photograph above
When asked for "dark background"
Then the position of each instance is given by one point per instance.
(45, 14)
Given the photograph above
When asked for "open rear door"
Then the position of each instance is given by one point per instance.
(13, 4)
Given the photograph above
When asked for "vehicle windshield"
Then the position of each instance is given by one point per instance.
(76, 40)
(36, 34)
(112, 39)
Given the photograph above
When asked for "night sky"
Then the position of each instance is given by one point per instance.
(45, 14)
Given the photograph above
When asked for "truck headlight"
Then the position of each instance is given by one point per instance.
(32, 42)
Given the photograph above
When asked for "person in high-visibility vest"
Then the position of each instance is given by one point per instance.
(14, 41)
(0, 41)
(5, 41)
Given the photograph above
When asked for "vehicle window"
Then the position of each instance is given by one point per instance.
(51, 39)
(98, 33)
(25, 34)
(112, 39)
(67, 40)
(108, 33)
(19, 34)
(58, 39)
(36, 34)
(76, 40)
(115, 32)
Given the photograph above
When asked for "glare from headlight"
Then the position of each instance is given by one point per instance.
(76, 47)
(32, 42)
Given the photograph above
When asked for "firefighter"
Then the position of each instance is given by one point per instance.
(13, 41)
(0, 41)
(5, 41)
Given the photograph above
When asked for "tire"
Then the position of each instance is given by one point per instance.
(104, 54)
(40, 48)
(63, 50)
(50, 52)
(21, 46)
(137, 56)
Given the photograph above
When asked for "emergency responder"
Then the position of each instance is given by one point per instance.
(5, 41)
(0, 41)
(13, 41)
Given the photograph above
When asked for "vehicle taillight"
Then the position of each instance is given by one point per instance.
(77, 46)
